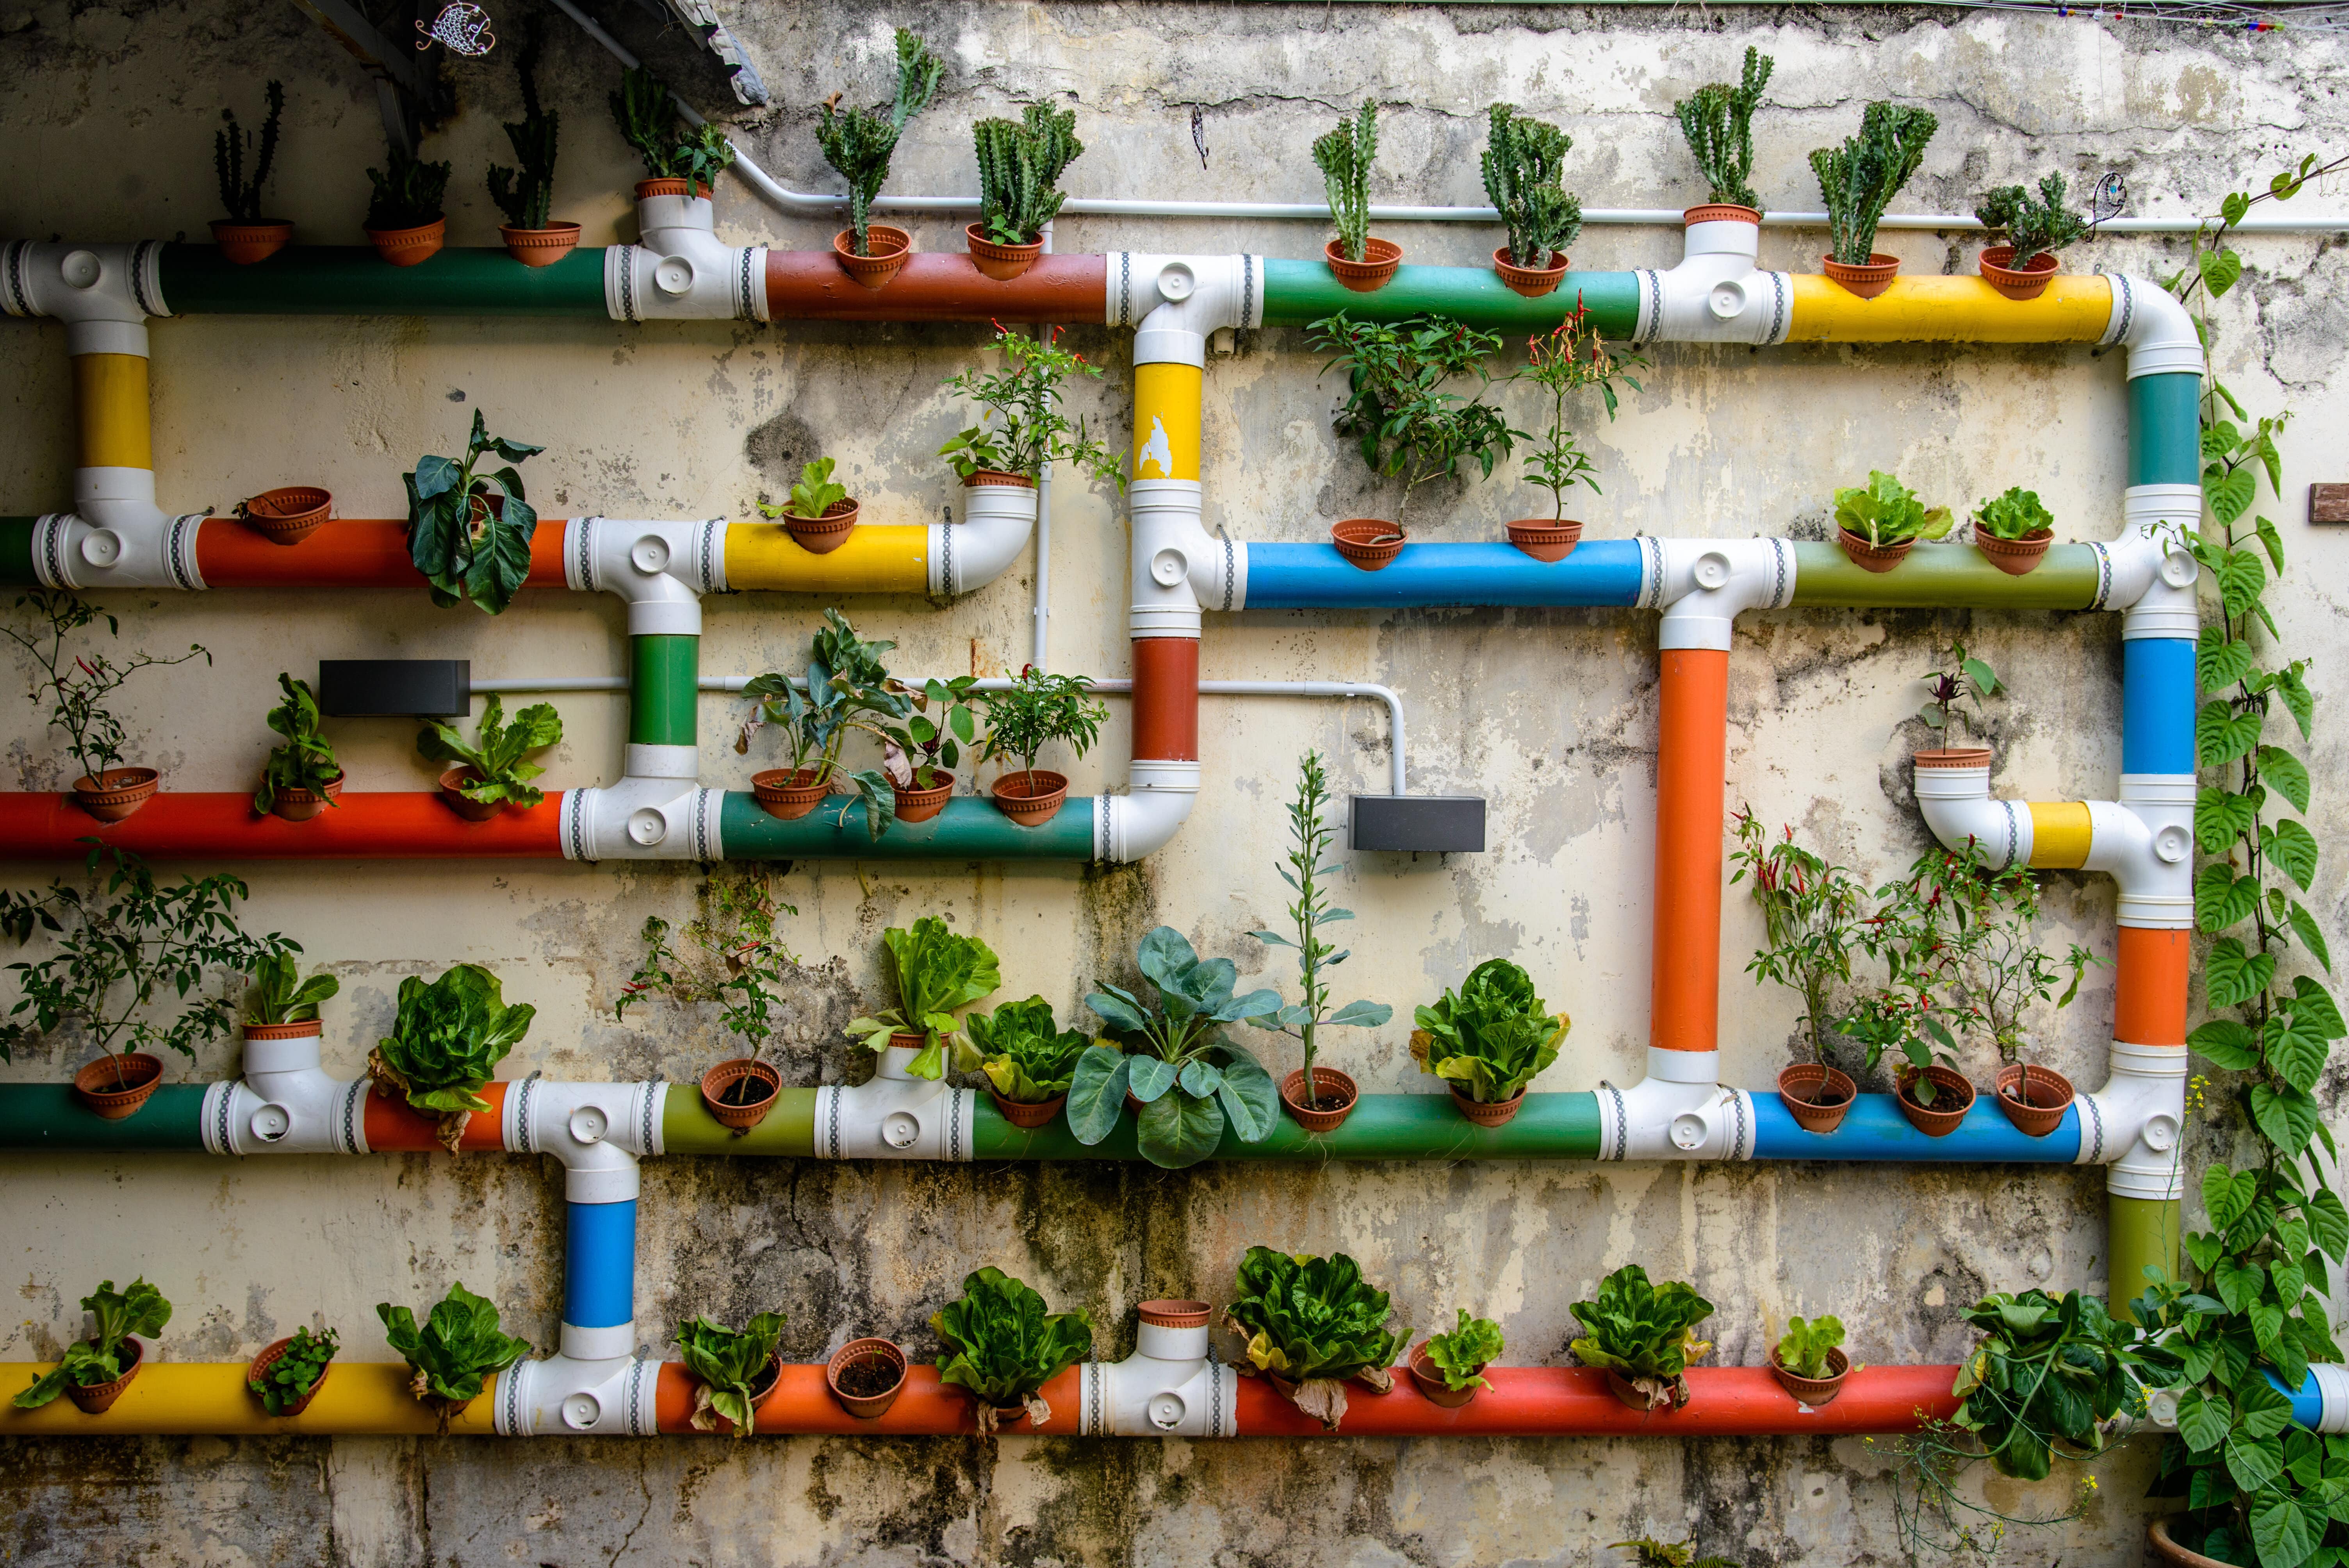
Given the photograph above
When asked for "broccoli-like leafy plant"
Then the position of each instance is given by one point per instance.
(408, 191)
(1398, 409)
(1802, 1348)
(1314, 1322)
(115, 1317)
(1462, 1355)
(2033, 228)
(1887, 512)
(498, 751)
(447, 1040)
(1859, 178)
(1024, 1055)
(240, 197)
(1491, 1037)
(469, 528)
(858, 143)
(1344, 155)
(729, 1364)
(1522, 160)
(2017, 515)
(1644, 1333)
(526, 195)
(1003, 1345)
(307, 759)
(1718, 121)
(1020, 166)
(453, 1352)
(934, 971)
(287, 1380)
(280, 995)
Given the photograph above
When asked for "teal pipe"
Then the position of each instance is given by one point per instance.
(1296, 293)
(969, 829)
(347, 280)
(1382, 1127)
(2165, 442)
(17, 552)
(51, 1116)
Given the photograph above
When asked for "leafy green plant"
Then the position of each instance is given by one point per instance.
(2043, 1372)
(729, 1364)
(468, 529)
(1003, 1345)
(1020, 429)
(289, 1379)
(280, 995)
(2032, 227)
(497, 752)
(1999, 967)
(739, 962)
(453, 1352)
(526, 195)
(1967, 683)
(447, 1039)
(934, 970)
(814, 494)
(1572, 356)
(1491, 1037)
(1190, 1080)
(1344, 155)
(1859, 178)
(307, 759)
(1802, 1348)
(2016, 514)
(240, 197)
(1810, 920)
(1718, 121)
(1644, 1333)
(1462, 1355)
(859, 143)
(1887, 512)
(1522, 162)
(1649, 1551)
(646, 115)
(1023, 1051)
(115, 1317)
(409, 192)
(1042, 709)
(77, 687)
(1020, 166)
(846, 689)
(1918, 933)
(1397, 410)
(1314, 1322)
(922, 752)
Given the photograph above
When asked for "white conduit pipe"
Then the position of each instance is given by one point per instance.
(1043, 524)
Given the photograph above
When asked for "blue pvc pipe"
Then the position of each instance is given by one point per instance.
(1316, 577)
(2307, 1404)
(599, 1265)
(1874, 1128)
(2157, 706)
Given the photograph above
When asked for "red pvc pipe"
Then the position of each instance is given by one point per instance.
(349, 553)
(2149, 986)
(393, 1125)
(191, 825)
(810, 285)
(1166, 699)
(1691, 760)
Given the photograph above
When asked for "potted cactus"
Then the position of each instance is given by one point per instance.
(1717, 120)
(1521, 164)
(678, 160)
(525, 195)
(453, 1353)
(1344, 155)
(2035, 232)
(301, 778)
(1020, 166)
(819, 515)
(94, 1372)
(1858, 180)
(2013, 530)
(858, 144)
(405, 221)
(245, 236)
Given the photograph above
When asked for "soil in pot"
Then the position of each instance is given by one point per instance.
(740, 1092)
(1867, 280)
(117, 793)
(888, 246)
(96, 1398)
(927, 796)
(866, 1376)
(1813, 1391)
(1488, 1114)
(1872, 557)
(789, 795)
(539, 247)
(1952, 1098)
(1372, 273)
(2035, 1099)
(453, 795)
(1001, 262)
(1030, 798)
(1531, 282)
(1430, 1378)
(1329, 1107)
(1369, 542)
(114, 1087)
(1543, 539)
(2016, 283)
(823, 536)
(1818, 1098)
(2015, 557)
(407, 247)
(1024, 1113)
(243, 244)
(288, 515)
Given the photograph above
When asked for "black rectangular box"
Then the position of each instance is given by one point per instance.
(396, 688)
(1425, 824)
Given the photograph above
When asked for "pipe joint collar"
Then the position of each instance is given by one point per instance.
(1172, 556)
(78, 284)
(2155, 329)
(2332, 1380)
(296, 1110)
(2133, 1123)
(1687, 1115)
(893, 1116)
(1957, 807)
(586, 1126)
(117, 540)
(642, 819)
(681, 271)
(1160, 1396)
(1703, 584)
(564, 1396)
(1132, 826)
(660, 570)
(1176, 302)
(996, 522)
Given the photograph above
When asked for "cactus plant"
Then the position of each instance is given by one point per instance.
(2033, 228)
(525, 196)
(858, 143)
(240, 196)
(1020, 165)
(1718, 121)
(1860, 178)
(1344, 155)
(1522, 162)
(646, 116)
(409, 195)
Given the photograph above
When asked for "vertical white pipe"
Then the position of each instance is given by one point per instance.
(1043, 611)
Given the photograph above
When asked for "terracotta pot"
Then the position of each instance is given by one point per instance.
(1001, 262)
(2015, 557)
(1484, 1114)
(1867, 280)
(98, 1398)
(284, 1031)
(242, 244)
(670, 185)
(1630, 1398)
(763, 1392)
(1720, 213)
(787, 794)
(823, 536)
(268, 1358)
(1953, 1097)
(1430, 1378)
(865, 1407)
(301, 805)
(1954, 757)
(1328, 1084)
(725, 1076)
(115, 1093)
(2017, 283)
(1371, 274)
(1814, 1391)
(1031, 799)
(1531, 282)
(287, 516)
(539, 247)
(1545, 540)
(2158, 1539)
(1023, 1113)
(1817, 1097)
(1367, 542)
(889, 246)
(997, 477)
(921, 804)
(2049, 1096)
(1872, 557)
(406, 247)
(1170, 1314)
(452, 794)
(117, 793)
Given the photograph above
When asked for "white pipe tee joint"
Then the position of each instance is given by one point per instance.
(1176, 564)
(659, 570)
(1169, 1387)
(597, 1130)
(2132, 1124)
(656, 811)
(1680, 1110)
(285, 1104)
(116, 536)
(996, 521)
(1174, 302)
(2153, 574)
(104, 294)
(2144, 843)
(681, 270)
(895, 1115)
(1703, 584)
(568, 1396)
(1716, 294)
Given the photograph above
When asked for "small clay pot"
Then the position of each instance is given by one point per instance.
(1484, 1113)
(923, 802)
(823, 536)
(287, 516)
(865, 1407)
(1630, 1398)
(304, 1030)
(301, 805)
(539, 247)
(718, 1080)
(1024, 1113)
(670, 185)
(268, 1358)
(2157, 1538)
(889, 246)
(1430, 1378)
(1543, 539)
(2045, 1096)
(1171, 1313)
(116, 1091)
(1720, 213)
(1001, 262)
(2016, 283)
(1817, 1097)
(1369, 542)
(1954, 757)
(1531, 282)
(452, 794)
(1372, 273)
(787, 794)
(406, 247)
(98, 1398)
(1872, 557)
(762, 1389)
(2015, 557)
(1029, 799)
(1328, 1084)
(1867, 280)
(242, 244)
(980, 477)
(1953, 1097)
(117, 793)
(1813, 1391)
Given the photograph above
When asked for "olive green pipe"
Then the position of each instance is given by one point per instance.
(688, 1128)
(1945, 576)
(1296, 293)
(352, 280)
(663, 676)
(47, 1116)
(2141, 1233)
(1382, 1127)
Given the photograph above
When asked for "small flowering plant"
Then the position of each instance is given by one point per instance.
(1810, 918)
(1571, 358)
(1021, 428)
(1966, 683)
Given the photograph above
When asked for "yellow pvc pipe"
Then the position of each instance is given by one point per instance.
(875, 559)
(2060, 831)
(1166, 421)
(177, 1398)
(2076, 309)
(110, 409)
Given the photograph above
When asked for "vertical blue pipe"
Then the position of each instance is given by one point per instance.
(599, 1265)
(2156, 705)
(2307, 1402)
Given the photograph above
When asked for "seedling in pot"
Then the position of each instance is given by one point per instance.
(1885, 512)
(818, 512)
(1649, 1551)
(649, 122)
(1718, 121)
(2015, 515)
(280, 995)
(739, 962)
(1457, 1360)
(1643, 1337)
(292, 1376)
(734, 1367)
(492, 771)
(111, 1355)
(301, 776)
(933, 971)
(858, 143)
(1804, 1351)
(453, 1353)
(445, 1044)
(1002, 1346)
(1310, 1323)
(76, 688)
(1965, 684)
(1021, 429)
(1029, 1060)
(1488, 1040)
(470, 527)
(923, 752)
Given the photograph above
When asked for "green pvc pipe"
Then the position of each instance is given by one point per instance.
(1945, 576)
(2142, 1234)
(2165, 443)
(343, 280)
(17, 552)
(1296, 293)
(969, 829)
(688, 1128)
(50, 1116)
(664, 676)
(1382, 1127)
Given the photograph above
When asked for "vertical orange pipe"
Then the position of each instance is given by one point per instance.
(2149, 987)
(1691, 760)
(1166, 699)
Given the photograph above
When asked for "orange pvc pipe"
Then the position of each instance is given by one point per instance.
(2149, 986)
(1692, 757)
(207, 825)
(393, 1125)
(1166, 699)
(349, 553)
(942, 286)
(800, 1402)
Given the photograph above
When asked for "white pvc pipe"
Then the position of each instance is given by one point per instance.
(1043, 527)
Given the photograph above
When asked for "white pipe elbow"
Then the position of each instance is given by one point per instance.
(656, 812)
(1166, 1388)
(1703, 584)
(1171, 554)
(569, 1396)
(116, 536)
(1716, 294)
(659, 570)
(98, 291)
(1957, 807)
(895, 1116)
(1680, 1110)
(285, 1104)
(680, 270)
(2132, 1124)
(2158, 330)
(1174, 303)
(596, 1130)
(1145, 819)
(996, 522)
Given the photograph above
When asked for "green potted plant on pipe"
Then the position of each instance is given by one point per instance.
(1039, 710)
(1807, 1360)
(1521, 165)
(858, 144)
(453, 1354)
(288, 1373)
(735, 1370)
(300, 778)
(1717, 121)
(2046, 1372)
(818, 514)
(1310, 1323)
(470, 527)
(493, 770)
(1186, 1080)
(1570, 359)
(2034, 230)
(1002, 1347)
(920, 753)
(284, 1006)
(1642, 1336)
(678, 160)
(846, 688)
(1922, 935)
(1020, 166)
(405, 222)
(1344, 155)
(1652, 1552)
(447, 1039)
(1450, 1368)
(526, 195)
(94, 1372)
(2013, 530)
(245, 236)
(743, 967)
(1027, 1058)
(934, 970)
(1487, 1040)
(1810, 923)
(1021, 430)
(1858, 180)
(77, 687)
(1878, 524)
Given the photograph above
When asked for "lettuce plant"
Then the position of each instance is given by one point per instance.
(280, 995)
(447, 1039)
(1023, 1056)
(1643, 1333)
(935, 971)
(1802, 1348)
(295, 1371)
(497, 752)
(453, 1352)
(115, 1315)
(2017, 515)
(1315, 1322)
(1465, 1353)
(307, 760)
(1491, 1037)
(729, 1363)
(1003, 1345)
(1886, 511)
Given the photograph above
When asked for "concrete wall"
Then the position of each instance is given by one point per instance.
(106, 112)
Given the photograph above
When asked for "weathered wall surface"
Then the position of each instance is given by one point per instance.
(107, 111)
